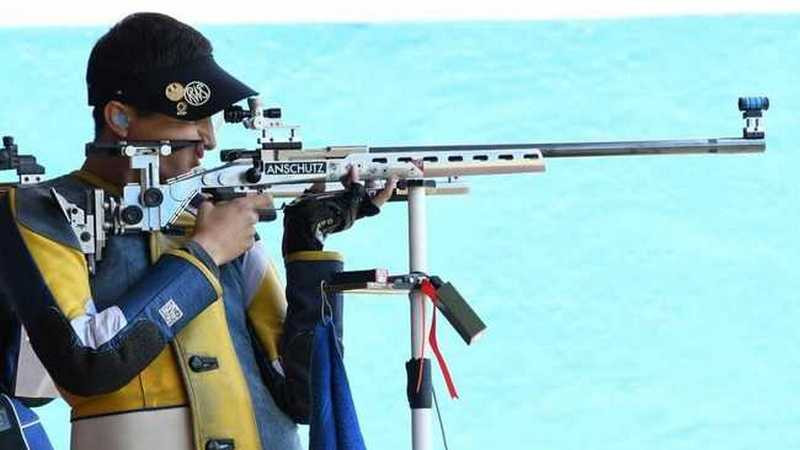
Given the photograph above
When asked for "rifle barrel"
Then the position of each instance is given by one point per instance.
(621, 148)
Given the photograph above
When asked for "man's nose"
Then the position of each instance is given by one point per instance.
(206, 130)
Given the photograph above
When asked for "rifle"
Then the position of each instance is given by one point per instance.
(281, 166)
(28, 172)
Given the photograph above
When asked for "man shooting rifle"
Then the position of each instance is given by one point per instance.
(174, 340)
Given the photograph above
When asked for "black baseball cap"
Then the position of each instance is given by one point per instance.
(188, 91)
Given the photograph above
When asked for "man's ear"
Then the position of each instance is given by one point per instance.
(118, 117)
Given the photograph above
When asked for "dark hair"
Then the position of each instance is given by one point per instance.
(140, 43)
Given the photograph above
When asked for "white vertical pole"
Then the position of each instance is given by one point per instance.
(418, 261)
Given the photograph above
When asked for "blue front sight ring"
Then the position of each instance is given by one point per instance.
(753, 103)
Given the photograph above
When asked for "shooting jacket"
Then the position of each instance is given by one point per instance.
(157, 326)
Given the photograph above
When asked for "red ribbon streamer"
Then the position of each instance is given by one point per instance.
(429, 289)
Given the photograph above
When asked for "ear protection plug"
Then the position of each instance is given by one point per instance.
(120, 119)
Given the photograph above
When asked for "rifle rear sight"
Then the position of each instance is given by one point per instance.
(237, 114)
(27, 168)
(274, 134)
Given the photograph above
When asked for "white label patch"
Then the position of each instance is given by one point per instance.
(170, 312)
(296, 168)
(196, 93)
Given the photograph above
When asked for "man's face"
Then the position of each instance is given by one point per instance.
(159, 127)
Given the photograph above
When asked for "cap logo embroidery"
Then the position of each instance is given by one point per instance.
(181, 108)
(174, 91)
(197, 93)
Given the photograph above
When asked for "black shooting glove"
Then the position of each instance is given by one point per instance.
(309, 219)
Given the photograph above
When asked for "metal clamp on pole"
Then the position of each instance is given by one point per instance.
(455, 309)
(445, 296)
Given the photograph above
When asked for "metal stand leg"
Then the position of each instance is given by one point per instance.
(419, 400)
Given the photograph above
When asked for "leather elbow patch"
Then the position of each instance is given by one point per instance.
(86, 371)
